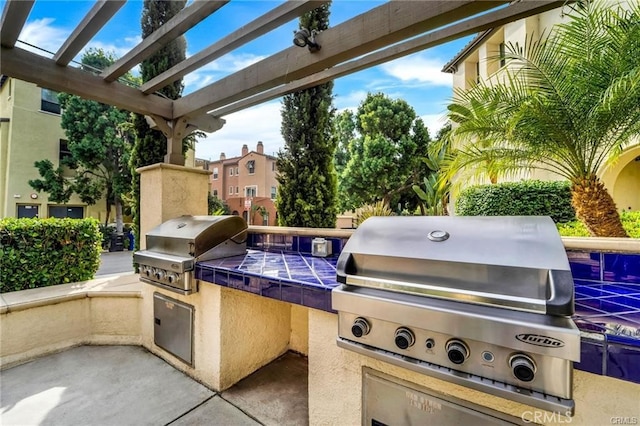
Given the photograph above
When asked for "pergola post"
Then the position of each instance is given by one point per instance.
(175, 130)
(168, 191)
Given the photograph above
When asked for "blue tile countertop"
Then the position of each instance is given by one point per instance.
(607, 295)
(290, 277)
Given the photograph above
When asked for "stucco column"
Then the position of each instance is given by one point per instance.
(168, 191)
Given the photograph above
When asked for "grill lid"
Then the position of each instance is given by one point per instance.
(515, 262)
(199, 237)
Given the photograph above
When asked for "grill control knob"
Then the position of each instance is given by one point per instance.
(172, 277)
(457, 351)
(148, 271)
(360, 327)
(523, 367)
(404, 338)
(160, 274)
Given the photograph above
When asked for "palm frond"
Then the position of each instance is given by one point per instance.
(565, 103)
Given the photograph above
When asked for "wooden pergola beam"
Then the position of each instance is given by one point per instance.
(98, 16)
(176, 26)
(24, 65)
(471, 26)
(14, 16)
(387, 24)
(254, 29)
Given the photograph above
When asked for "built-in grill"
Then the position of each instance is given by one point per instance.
(483, 302)
(175, 246)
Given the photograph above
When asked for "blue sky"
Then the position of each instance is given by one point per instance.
(415, 78)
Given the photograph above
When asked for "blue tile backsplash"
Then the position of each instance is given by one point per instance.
(607, 292)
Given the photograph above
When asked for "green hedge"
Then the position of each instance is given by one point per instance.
(43, 252)
(630, 223)
(524, 198)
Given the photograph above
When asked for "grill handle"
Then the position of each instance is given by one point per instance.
(560, 300)
(344, 267)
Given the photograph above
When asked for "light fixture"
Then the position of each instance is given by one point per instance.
(303, 37)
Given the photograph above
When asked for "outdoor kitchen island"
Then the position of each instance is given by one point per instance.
(279, 268)
(249, 320)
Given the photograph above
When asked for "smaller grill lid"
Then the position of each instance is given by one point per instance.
(198, 236)
(516, 262)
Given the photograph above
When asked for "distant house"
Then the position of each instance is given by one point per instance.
(622, 179)
(30, 131)
(247, 184)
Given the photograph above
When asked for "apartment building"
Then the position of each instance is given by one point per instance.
(471, 64)
(30, 131)
(247, 184)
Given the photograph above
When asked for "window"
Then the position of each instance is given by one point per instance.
(273, 166)
(230, 190)
(237, 190)
(250, 191)
(215, 173)
(63, 152)
(273, 192)
(49, 101)
(231, 171)
(251, 165)
(237, 171)
(502, 57)
(27, 210)
(477, 72)
(215, 193)
(265, 219)
(62, 212)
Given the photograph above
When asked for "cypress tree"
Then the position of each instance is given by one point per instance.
(306, 173)
(151, 145)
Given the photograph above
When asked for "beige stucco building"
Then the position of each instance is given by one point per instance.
(250, 177)
(30, 131)
(471, 65)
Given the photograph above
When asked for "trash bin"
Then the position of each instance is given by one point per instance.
(132, 240)
(117, 242)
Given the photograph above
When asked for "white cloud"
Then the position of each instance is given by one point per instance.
(350, 101)
(260, 123)
(43, 34)
(418, 68)
(219, 68)
(118, 47)
(434, 122)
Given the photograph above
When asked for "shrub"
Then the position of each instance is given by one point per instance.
(368, 210)
(43, 252)
(630, 223)
(524, 198)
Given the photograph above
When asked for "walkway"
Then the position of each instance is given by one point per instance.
(127, 385)
(115, 262)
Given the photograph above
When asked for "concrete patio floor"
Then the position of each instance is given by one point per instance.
(127, 385)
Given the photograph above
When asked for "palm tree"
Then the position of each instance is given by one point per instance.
(568, 103)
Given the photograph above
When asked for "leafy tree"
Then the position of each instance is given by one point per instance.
(53, 182)
(344, 130)
(217, 207)
(434, 198)
(100, 146)
(384, 161)
(151, 145)
(567, 103)
(306, 174)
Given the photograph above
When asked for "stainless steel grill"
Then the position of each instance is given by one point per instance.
(175, 246)
(480, 301)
